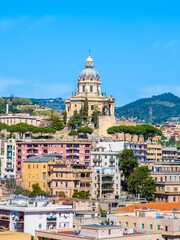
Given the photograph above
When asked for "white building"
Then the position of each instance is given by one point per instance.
(35, 216)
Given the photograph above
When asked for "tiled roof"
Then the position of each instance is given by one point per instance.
(39, 159)
(157, 206)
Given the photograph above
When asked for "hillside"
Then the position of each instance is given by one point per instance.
(164, 107)
(57, 104)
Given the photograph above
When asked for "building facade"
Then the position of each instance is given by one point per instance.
(35, 217)
(89, 85)
(8, 168)
(72, 152)
(70, 178)
(35, 170)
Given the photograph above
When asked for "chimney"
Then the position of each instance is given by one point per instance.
(7, 108)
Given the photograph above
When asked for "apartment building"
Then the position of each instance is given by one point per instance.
(145, 151)
(139, 149)
(35, 215)
(9, 165)
(72, 152)
(159, 217)
(106, 182)
(103, 158)
(169, 152)
(70, 178)
(35, 170)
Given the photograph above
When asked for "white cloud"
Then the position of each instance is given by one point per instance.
(171, 44)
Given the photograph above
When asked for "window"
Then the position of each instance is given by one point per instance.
(36, 176)
(29, 166)
(40, 226)
(126, 224)
(56, 184)
(44, 166)
(29, 175)
(92, 107)
(83, 88)
(44, 175)
(142, 225)
(36, 166)
(134, 225)
(158, 227)
(166, 228)
(91, 88)
(44, 185)
(66, 184)
(151, 226)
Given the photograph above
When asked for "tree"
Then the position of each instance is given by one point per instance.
(37, 191)
(61, 194)
(85, 130)
(20, 128)
(141, 183)
(85, 110)
(56, 122)
(3, 126)
(64, 117)
(95, 116)
(73, 133)
(75, 120)
(172, 140)
(146, 130)
(81, 194)
(127, 162)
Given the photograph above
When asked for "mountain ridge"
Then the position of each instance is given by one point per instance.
(163, 107)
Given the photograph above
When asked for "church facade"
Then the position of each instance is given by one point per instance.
(89, 85)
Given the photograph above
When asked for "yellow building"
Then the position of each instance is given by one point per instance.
(89, 84)
(15, 236)
(35, 170)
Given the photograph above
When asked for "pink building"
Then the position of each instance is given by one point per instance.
(73, 152)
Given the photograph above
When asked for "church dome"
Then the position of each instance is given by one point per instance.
(89, 72)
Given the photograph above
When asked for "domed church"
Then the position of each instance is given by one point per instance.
(89, 84)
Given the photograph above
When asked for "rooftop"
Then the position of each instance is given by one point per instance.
(157, 206)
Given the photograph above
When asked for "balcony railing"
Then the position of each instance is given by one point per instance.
(51, 219)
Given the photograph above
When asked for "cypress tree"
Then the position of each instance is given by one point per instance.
(85, 110)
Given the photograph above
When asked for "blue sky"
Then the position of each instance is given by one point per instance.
(135, 46)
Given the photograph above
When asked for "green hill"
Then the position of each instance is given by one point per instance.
(164, 107)
(57, 104)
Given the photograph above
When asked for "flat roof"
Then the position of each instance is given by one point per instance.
(101, 226)
(18, 208)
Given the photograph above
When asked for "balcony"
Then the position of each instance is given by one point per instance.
(51, 219)
(112, 160)
(4, 218)
(97, 160)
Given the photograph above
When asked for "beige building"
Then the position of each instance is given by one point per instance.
(70, 178)
(11, 119)
(95, 231)
(160, 217)
(89, 84)
(9, 235)
(166, 173)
